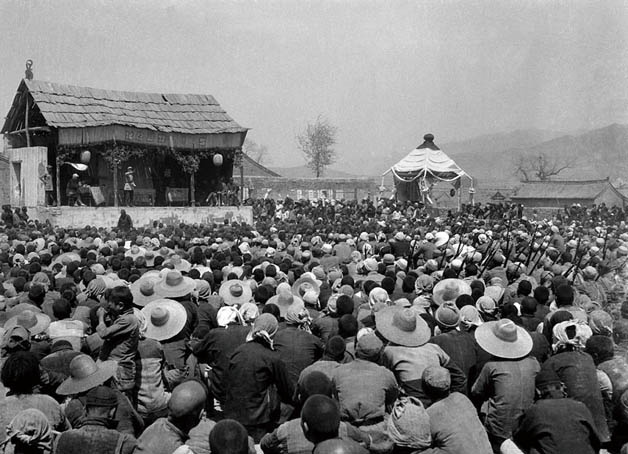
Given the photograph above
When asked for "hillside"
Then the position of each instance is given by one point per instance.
(595, 154)
(520, 138)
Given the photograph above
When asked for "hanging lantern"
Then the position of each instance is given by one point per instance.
(217, 159)
(86, 155)
(452, 192)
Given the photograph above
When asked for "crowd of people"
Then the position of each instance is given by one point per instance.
(326, 327)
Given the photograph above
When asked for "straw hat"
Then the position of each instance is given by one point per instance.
(16, 310)
(164, 318)
(175, 285)
(447, 290)
(86, 374)
(150, 258)
(402, 326)
(135, 252)
(284, 299)
(305, 284)
(143, 289)
(495, 292)
(235, 291)
(165, 252)
(504, 339)
(179, 264)
(67, 257)
(34, 322)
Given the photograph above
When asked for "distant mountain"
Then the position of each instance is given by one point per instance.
(305, 172)
(595, 154)
(519, 138)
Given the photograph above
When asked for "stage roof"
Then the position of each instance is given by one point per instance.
(119, 115)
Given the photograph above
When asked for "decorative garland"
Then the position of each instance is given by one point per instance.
(117, 153)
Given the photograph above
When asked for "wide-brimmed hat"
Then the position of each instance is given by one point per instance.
(447, 290)
(285, 301)
(504, 339)
(143, 289)
(495, 292)
(67, 257)
(402, 326)
(16, 310)
(150, 258)
(175, 285)
(304, 284)
(135, 252)
(179, 264)
(34, 322)
(164, 318)
(86, 374)
(165, 252)
(235, 291)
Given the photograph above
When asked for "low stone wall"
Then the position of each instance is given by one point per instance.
(141, 216)
(310, 188)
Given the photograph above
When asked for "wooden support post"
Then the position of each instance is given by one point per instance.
(192, 190)
(58, 177)
(115, 178)
(241, 181)
(460, 196)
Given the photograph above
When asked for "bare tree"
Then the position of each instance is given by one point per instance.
(255, 151)
(541, 167)
(316, 142)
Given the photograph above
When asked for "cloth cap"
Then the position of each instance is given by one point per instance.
(402, 264)
(370, 264)
(369, 347)
(437, 377)
(601, 322)
(101, 396)
(388, 259)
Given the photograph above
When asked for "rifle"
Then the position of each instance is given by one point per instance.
(541, 254)
(536, 227)
(507, 243)
(605, 243)
(489, 257)
(576, 265)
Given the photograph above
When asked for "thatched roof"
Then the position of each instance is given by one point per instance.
(69, 106)
(588, 189)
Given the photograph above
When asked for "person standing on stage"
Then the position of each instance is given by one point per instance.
(46, 179)
(129, 186)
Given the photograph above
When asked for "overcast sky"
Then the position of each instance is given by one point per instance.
(384, 72)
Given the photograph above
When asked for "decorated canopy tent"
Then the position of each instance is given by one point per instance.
(421, 169)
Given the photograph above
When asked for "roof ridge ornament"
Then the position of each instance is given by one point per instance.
(28, 74)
